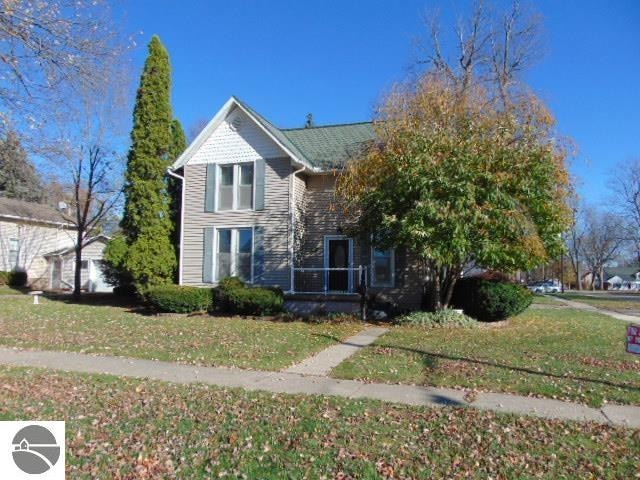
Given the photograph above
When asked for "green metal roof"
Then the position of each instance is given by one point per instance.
(331, 146)
(323, 147)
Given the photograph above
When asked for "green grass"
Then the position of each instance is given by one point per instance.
(201, 340)
(622, 305)
(7, 290)
(557, 353)
(545, 300)
(123, 428)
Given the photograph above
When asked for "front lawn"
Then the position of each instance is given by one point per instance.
(559, 353)
(123, 428)
(202, 340)
(7, 290)
(621, 305)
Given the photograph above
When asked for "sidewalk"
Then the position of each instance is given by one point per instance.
(286, 382)
(323, 362)
(590, 308)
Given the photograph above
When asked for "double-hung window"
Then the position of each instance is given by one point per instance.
(382, 267)
(14, 252)
(235, 187)
(234, 253)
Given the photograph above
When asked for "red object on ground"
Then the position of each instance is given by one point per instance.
(633, 339)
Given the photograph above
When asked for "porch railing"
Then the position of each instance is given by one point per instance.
(329, 281)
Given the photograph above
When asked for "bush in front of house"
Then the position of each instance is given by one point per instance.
(446, 318)
(14, 278)
(490, 300)
(179, 299)
(235, 297)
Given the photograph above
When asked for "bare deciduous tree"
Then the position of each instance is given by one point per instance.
(625, 188)
(574, 240)
(493, 47)
(602, 241)
(89, 133)
(48, 49)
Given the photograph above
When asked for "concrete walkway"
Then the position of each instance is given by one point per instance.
(329, 358)
(285, 382)
(590, 308)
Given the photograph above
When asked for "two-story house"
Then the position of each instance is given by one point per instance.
(259, 203)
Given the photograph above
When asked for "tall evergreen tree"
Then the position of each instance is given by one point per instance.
(178, 145)
(146, 222)
(18, 176)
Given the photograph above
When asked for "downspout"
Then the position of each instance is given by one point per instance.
(181, 178)
(292, 212)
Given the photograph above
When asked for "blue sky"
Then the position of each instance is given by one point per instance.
(333, 58)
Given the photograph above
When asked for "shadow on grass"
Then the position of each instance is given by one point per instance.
(431, 360)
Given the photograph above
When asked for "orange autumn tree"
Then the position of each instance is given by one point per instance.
(459, 176)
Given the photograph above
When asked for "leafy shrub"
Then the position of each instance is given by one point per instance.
(439, 319)
(113, 266)
(179, 299)
(233, 296)
(17, 279)
(127, 290)
(489, 300)
(4, 278)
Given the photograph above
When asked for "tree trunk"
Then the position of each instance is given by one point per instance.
(436, 300)
(578, 279)
(601, 278)
(77, 275)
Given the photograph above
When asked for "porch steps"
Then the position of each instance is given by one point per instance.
(318, 304)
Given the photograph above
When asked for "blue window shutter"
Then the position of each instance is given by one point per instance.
(207, 256)
(258, 254)
(210, 188)
(260, 182)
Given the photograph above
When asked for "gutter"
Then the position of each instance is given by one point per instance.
(292, 212)
(182, 192)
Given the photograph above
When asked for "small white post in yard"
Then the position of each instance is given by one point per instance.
(36, 296)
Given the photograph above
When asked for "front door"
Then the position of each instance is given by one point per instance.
(56, 275)
(339, 256)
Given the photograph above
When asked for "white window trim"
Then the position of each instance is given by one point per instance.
(235, 184)
(390, 284)
(17, 262)
(326, 259)
(234, 240)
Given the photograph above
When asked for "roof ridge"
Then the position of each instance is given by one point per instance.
(328, 125)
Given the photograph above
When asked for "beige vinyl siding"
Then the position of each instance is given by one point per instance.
(36, 240)
(323, 216)
(274, 219)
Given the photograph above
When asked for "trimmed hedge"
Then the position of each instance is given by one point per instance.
(490, 300)
(234, 297)
(447, 318)
(179, 299)
(17, 279)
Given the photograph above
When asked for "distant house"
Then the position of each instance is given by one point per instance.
(615, 278)
(622, 278)
(39, 240)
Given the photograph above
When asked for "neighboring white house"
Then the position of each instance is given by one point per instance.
(39, 240)
(63, 263)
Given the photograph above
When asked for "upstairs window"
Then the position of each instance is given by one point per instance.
(235, 187)
(382, 267)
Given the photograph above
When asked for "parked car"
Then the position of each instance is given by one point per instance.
(548, 286)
